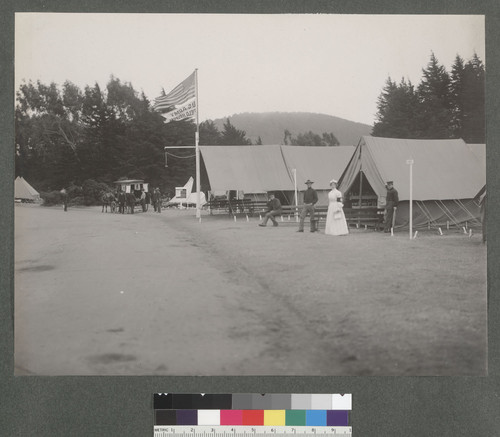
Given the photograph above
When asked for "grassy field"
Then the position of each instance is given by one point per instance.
(260, 300)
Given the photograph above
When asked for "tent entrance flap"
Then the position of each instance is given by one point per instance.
(361, 194)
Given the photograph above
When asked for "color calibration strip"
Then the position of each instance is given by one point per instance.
(219, 414)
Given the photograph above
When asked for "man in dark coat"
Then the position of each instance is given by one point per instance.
(131, 201)
(273, 210)
(310, 199)
(122, 198)
(64, 197)
(391, 205)
(157, 199)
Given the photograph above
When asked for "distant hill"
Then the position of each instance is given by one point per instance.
(270, 126)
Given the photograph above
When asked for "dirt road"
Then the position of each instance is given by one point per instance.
(145, 294)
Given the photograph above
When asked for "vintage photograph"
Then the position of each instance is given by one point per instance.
(254, 194)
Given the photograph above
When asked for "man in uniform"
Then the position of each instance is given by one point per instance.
(273, 209)
(157, 199)
(310, 199)
(391, 205)
(122, 198)
(64, 197)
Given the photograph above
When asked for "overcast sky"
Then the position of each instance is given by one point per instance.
(330, 64)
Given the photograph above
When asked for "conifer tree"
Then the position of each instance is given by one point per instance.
(434, 111)
(231, 136)
(396, 105)
(469, 87)
(209, 133)
(443, 105)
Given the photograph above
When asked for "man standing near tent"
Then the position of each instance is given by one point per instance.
(310, 199)
(273, 210)
(64, 197)
(391, 205)
(157, 199)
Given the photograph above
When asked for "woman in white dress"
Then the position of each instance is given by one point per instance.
(335, 219)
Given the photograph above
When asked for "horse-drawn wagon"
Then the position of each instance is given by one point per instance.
(136, 193)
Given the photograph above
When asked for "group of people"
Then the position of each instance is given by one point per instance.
(128, 200)
(125, 201)
(336, 223)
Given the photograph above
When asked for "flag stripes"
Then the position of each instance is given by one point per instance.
(181, 93)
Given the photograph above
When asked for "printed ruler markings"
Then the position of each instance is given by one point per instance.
(179, 431)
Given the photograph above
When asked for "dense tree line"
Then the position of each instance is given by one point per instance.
(230, 136)
(310, 139)
(443, 105)
(68, 137)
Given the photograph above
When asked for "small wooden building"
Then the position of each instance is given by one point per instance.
(135, 186)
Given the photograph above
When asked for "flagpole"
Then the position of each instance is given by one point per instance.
(197, 148)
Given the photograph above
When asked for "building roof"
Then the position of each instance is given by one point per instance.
(129, 181)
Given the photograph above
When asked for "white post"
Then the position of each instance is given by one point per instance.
(197, 149)
(198, 196)
(296, 193)
(410, 162)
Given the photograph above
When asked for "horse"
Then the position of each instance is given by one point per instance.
(108, 199)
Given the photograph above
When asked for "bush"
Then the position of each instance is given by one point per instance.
(93, 191)
(74, 191)
(78, 200)
(51, 198)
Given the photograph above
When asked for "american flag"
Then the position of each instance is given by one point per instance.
(181, 93)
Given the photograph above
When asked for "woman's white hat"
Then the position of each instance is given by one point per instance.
(333, 181)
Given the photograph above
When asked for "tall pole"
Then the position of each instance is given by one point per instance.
(410, 163)
(360, 196)
(197, 148)
(296, 193)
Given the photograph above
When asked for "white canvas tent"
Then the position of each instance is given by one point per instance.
(251, 169)
(446, 177)
(479, 151)
(190, 198)
(320, 164)
(259, 169)
(24, 192)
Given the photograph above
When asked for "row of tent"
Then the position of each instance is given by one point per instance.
(447, 175)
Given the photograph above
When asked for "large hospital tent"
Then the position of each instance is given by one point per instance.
(255, 170)
(446, 176)
(250, 169)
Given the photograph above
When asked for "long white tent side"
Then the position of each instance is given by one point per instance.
(259, 169)
(250, 169)
(447, 175)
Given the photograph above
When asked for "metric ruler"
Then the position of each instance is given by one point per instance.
(251, 431)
